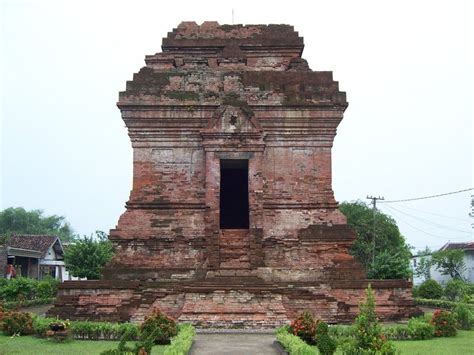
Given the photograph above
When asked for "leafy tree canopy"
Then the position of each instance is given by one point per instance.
(17, 220)
(392, 253)
(88, 255)
(450, 262)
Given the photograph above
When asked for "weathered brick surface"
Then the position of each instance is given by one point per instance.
(231, 92)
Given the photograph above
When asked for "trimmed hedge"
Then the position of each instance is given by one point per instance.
(293, 344)
(182, 342)
(85, 330)
(25, 288)
(440, 303)
(28, 303)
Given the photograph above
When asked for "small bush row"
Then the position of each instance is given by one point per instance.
(157, 329)
(24, 288)
(181, 344)
(455, 290)
(85, 330)
(294, 344)
(440, 303)
(28, 303)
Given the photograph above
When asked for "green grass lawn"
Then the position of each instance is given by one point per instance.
(32, 345)
(461, 344)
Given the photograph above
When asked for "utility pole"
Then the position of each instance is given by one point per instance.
(374, 208)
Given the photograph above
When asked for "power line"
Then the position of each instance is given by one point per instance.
(436, 214)
(418, 229)
(427, 197)
(430, 222)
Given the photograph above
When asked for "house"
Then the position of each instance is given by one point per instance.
(435, 274)
(36, 256)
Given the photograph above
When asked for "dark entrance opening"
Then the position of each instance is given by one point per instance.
(234, 201)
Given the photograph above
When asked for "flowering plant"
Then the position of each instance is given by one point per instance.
(444, 323)
(304, 327)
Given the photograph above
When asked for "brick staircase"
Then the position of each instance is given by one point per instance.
(234, 249)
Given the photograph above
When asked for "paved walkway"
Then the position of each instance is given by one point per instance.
(234, 344)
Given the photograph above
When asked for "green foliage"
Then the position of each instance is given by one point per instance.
(19, 221)
(158, 327)
(326, 345)
(47, 288)
(17, 323)
(293, 344)
(28, 303)
(444, 323)
(397, 332)
(450, 262)
(87, 256)
(423, 268)
(390, 265)
(439, 303)
(181, 343)
(368, 337)
(464, 317)
(304, 327)
(419, 329)
(389, 243)
(455, 290)
(430, 289)
(104, 330)
(41, 325)
(22, 289)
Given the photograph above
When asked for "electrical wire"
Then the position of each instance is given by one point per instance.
(430, 222)
(426, 197)
(421, 230)
(437, 214)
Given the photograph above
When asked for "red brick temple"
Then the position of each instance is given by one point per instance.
(232, 219)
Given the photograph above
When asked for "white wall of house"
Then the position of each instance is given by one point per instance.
(435, 274)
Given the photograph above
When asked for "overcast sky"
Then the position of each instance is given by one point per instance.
(406, 67)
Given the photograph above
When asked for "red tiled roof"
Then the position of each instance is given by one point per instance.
(39, 243)
(462, 246)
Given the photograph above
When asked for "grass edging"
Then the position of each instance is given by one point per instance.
(293, 344)
(182, 342)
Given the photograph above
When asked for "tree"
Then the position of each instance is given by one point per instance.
(20, 221)
(450, 262)
(88, 255)
(423, 268)
(390, 246)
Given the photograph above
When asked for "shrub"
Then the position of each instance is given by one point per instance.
(181, 343)
(104, 330)
(444, 323)
(464, 317)
(293, 344)
(304, 327)
(420, 330)
(47, 288)
(28, 303)
(368, 337)
(41, 326)
(397, 332)
(19, 289)
(326, 345)
(158, 327)
(440, 303)
(430, 289)
(455, 290)
(17, 323)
